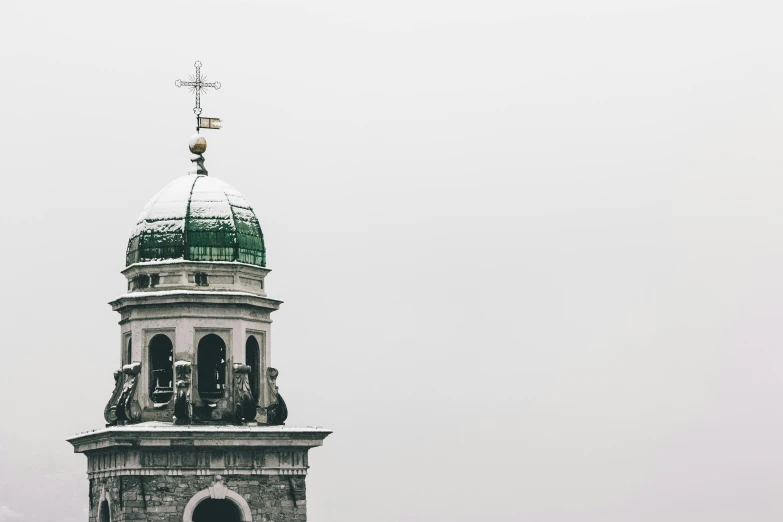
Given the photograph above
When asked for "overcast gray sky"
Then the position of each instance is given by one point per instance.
(530, 252)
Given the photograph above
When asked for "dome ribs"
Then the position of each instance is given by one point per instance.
(197, 218)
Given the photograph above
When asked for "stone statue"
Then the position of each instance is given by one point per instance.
(110, 411)
(183, 409)
(244, 404)
(276, 412)
(128, 410)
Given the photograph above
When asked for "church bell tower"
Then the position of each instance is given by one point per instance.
(195, 427)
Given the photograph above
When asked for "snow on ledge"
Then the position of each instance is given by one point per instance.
(157, 262)
(168, 427)
(189, 292)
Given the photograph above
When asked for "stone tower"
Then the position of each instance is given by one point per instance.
(195, 425)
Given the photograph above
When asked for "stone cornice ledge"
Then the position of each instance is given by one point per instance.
(193, 296)
(182, 264)
(163, 435)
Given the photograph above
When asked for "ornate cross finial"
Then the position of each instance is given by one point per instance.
(198, 85)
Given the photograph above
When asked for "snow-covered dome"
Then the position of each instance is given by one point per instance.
(197, 218)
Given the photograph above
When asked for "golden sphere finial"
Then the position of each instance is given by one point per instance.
(197, 144)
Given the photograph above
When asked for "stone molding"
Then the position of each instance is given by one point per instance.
(197, 461)
(185, 297)
(243, 314)
(167, 435)
(196, 473)
(218, 491)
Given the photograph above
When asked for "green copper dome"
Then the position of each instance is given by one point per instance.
(197, 218)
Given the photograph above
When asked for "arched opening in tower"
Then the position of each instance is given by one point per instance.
(161, 353)
(211, 367)
(214, 510)
(253, 359)
(104, 515)
(129, 351)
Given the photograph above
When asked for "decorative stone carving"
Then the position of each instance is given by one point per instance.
(110, 411)
(277, 411)
(195, 461)
(128, 410)
(218, 490)
(244, 404)
(183, 409)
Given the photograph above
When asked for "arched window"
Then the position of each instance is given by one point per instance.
(213, 509)
(103, 514)
(211, 367)
(161, 368)
(129, 351)
(253, 359)
(217, 502)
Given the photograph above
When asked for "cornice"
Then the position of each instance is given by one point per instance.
(216, 297)
(162, 435)
(175, 265)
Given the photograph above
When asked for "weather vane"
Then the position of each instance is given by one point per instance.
(198, 84)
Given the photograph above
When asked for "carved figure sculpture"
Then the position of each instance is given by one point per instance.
(277, 411)
(183, 409)
(110, 411)
(244, 404)
(128, 410)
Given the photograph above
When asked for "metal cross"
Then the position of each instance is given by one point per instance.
(198, 85)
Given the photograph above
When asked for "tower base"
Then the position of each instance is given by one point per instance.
(159, 472)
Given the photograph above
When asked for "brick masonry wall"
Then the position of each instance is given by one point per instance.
(162, 498)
